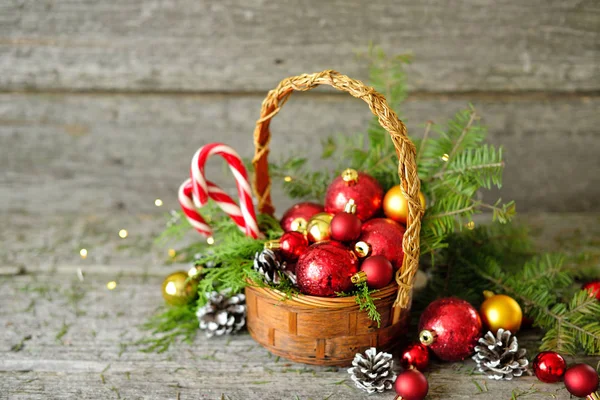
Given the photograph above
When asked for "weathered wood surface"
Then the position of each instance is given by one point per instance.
(231, 45)
(63, 338)
(95, 153)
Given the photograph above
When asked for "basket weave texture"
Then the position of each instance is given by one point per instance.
(329, 331)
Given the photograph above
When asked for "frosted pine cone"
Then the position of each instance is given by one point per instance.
(499, 357)
(373, 371)
(268, 264)
(223, 314)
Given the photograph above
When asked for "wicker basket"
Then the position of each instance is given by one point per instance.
(329, 331)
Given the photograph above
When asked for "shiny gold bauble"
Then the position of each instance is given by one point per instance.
(178, 290)
(317, 228)
(501, 311)
(395, 205)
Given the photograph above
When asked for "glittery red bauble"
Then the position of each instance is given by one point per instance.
(549, 366)
(366, 192)
(292, 245)
(581, 380)
(379, 271)
(593, 287)
(301, 210)
(326, 268)
(411, 385)
(385, 238)
(345, 227)
(455, 325)
(416, 356)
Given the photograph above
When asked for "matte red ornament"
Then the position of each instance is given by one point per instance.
(366, 192)
(549, 366)
(345, 226)
(384, 236)
(416, 355)
(450, 327)
(593, 287)
(377, 271)
(326, 268)
(292, 245)
(304, 210)
(411, 385)
(581, 380)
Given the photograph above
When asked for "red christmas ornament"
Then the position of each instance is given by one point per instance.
(377, 271)
(581, 380)
(384, 237)
(292, 245)
(411, 385)
(549, 366)
(345, 226)
(450, 327)
(416, 355)
(304, 211)
(326, 268)
(364, 189)
(593, 287)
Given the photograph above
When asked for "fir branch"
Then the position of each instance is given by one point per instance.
(176, 323)
(460, 139)
(366, 301)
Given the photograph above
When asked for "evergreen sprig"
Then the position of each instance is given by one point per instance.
(175, 323)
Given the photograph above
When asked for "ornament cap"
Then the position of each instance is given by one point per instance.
(593, 396)
(488, 293)
(350, 207)
(362, 249)
(299, 225)
(350, 176)
(427, 337)
(359, 277)
(272, 245)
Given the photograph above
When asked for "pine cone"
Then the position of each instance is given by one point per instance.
(268, 264)
(499, 356)
(373, 372)
(223, 314)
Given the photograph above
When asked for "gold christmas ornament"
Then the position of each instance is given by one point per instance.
(317, 228)
(299, 225)
(395, 205)
(362, 249)
(501, 311)
(177, 290)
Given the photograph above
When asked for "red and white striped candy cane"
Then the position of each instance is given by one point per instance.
(195, 192)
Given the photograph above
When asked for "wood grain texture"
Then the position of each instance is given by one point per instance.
(77, 336)
(97, 153)
(232, 45)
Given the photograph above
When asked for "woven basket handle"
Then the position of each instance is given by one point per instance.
(405, 149)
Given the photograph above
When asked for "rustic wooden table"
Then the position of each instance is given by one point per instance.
(65, 335)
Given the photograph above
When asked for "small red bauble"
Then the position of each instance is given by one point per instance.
(292, 245)
(378, 271)
(345, 226)
(416, 355)
(411, 385)
(593, 287)
(301, 210)
(549, 366)
(450, 327)
(384, 236)
(581, 380)
(326, 268)
(364, 189)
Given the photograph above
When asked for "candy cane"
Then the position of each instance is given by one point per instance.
(195, 192)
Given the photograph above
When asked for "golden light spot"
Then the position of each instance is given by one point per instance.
(287, 178)
(471, 225)
(445, 157)
(158, 202)
(83, 253)
(123, 233)
(210, 240)
(172, 253)
(111, 285)
(193, 272)
(171, 289)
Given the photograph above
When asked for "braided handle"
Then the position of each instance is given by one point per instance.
(405, 149)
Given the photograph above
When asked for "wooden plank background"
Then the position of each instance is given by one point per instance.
(102, 103)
